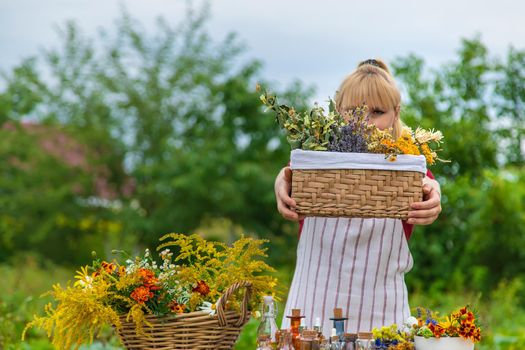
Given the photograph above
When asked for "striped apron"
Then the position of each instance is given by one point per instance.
(355, 264)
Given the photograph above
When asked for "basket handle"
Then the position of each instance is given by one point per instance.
(221, 303)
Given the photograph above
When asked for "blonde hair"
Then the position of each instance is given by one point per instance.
(371, 84)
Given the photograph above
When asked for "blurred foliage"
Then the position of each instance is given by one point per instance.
(166, 132)
(478, 103)
(110, 142)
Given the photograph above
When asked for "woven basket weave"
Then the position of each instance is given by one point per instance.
(356, 193)
(191, 331)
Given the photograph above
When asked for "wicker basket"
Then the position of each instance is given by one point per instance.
(191, 331)
(363, 193)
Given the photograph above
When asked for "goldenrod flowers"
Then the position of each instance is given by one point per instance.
(191, 281)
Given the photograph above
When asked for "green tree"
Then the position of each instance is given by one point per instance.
(174, 116)
(478, 104)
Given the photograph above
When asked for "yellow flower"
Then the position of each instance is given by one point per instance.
(84, 278)
(429, 155)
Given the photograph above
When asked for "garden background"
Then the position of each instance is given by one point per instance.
(110, 140)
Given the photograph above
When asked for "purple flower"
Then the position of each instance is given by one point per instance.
(352, 137)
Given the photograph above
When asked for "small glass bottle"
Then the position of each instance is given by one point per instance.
(350, 339)
(365, 341)
(317, 324)
(285, 341)
(268, 327)
(308, 336)
(296, 321)
(302, 326)
(339, 322)
(263, 342)
(335, 341)
(319, 329)
(324, 344)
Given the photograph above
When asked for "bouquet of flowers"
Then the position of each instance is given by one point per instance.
(394, 337)
(344, 166)
(315, 130)
(190, 278)
(460, 323)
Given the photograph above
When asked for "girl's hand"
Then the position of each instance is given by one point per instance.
(427, 211)
(283, 186)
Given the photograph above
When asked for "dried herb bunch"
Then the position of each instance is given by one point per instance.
(314, 130)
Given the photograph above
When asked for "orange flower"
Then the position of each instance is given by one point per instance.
(176, 307)
(202, 288)
(388, 143)
(427, 153)
(437, 330)
(476, 336)
(146, 274)
(468, 317)
(109, 267)
(467, 331)
(121, 271)
(142, 294)
(149, 279)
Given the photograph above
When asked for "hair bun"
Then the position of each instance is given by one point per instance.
(376, 63)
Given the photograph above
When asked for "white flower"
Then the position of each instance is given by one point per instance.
(85, 283)
(425, 136)
(208, 308)
(411, 321)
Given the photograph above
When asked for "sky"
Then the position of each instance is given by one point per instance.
(318, 42)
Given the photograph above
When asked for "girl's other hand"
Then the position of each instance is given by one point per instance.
(427, 211)
(283, 186)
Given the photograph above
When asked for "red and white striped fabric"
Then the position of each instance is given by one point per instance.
(354, 264)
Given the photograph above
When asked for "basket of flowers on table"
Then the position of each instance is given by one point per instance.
(197, 296)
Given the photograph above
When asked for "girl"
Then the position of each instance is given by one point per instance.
(353, 263)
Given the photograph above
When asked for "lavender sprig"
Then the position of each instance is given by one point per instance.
(353, 137)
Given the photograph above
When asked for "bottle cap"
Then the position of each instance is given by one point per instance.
(268, 299)
(263, 337)
(309, 334)
(334, 333)
(338, 314)
(350, 336)
(296, 313)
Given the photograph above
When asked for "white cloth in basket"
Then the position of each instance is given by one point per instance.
(310, 160)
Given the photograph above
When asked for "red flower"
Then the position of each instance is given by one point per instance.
(476, 336)
(437, 330)
(202, 288)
